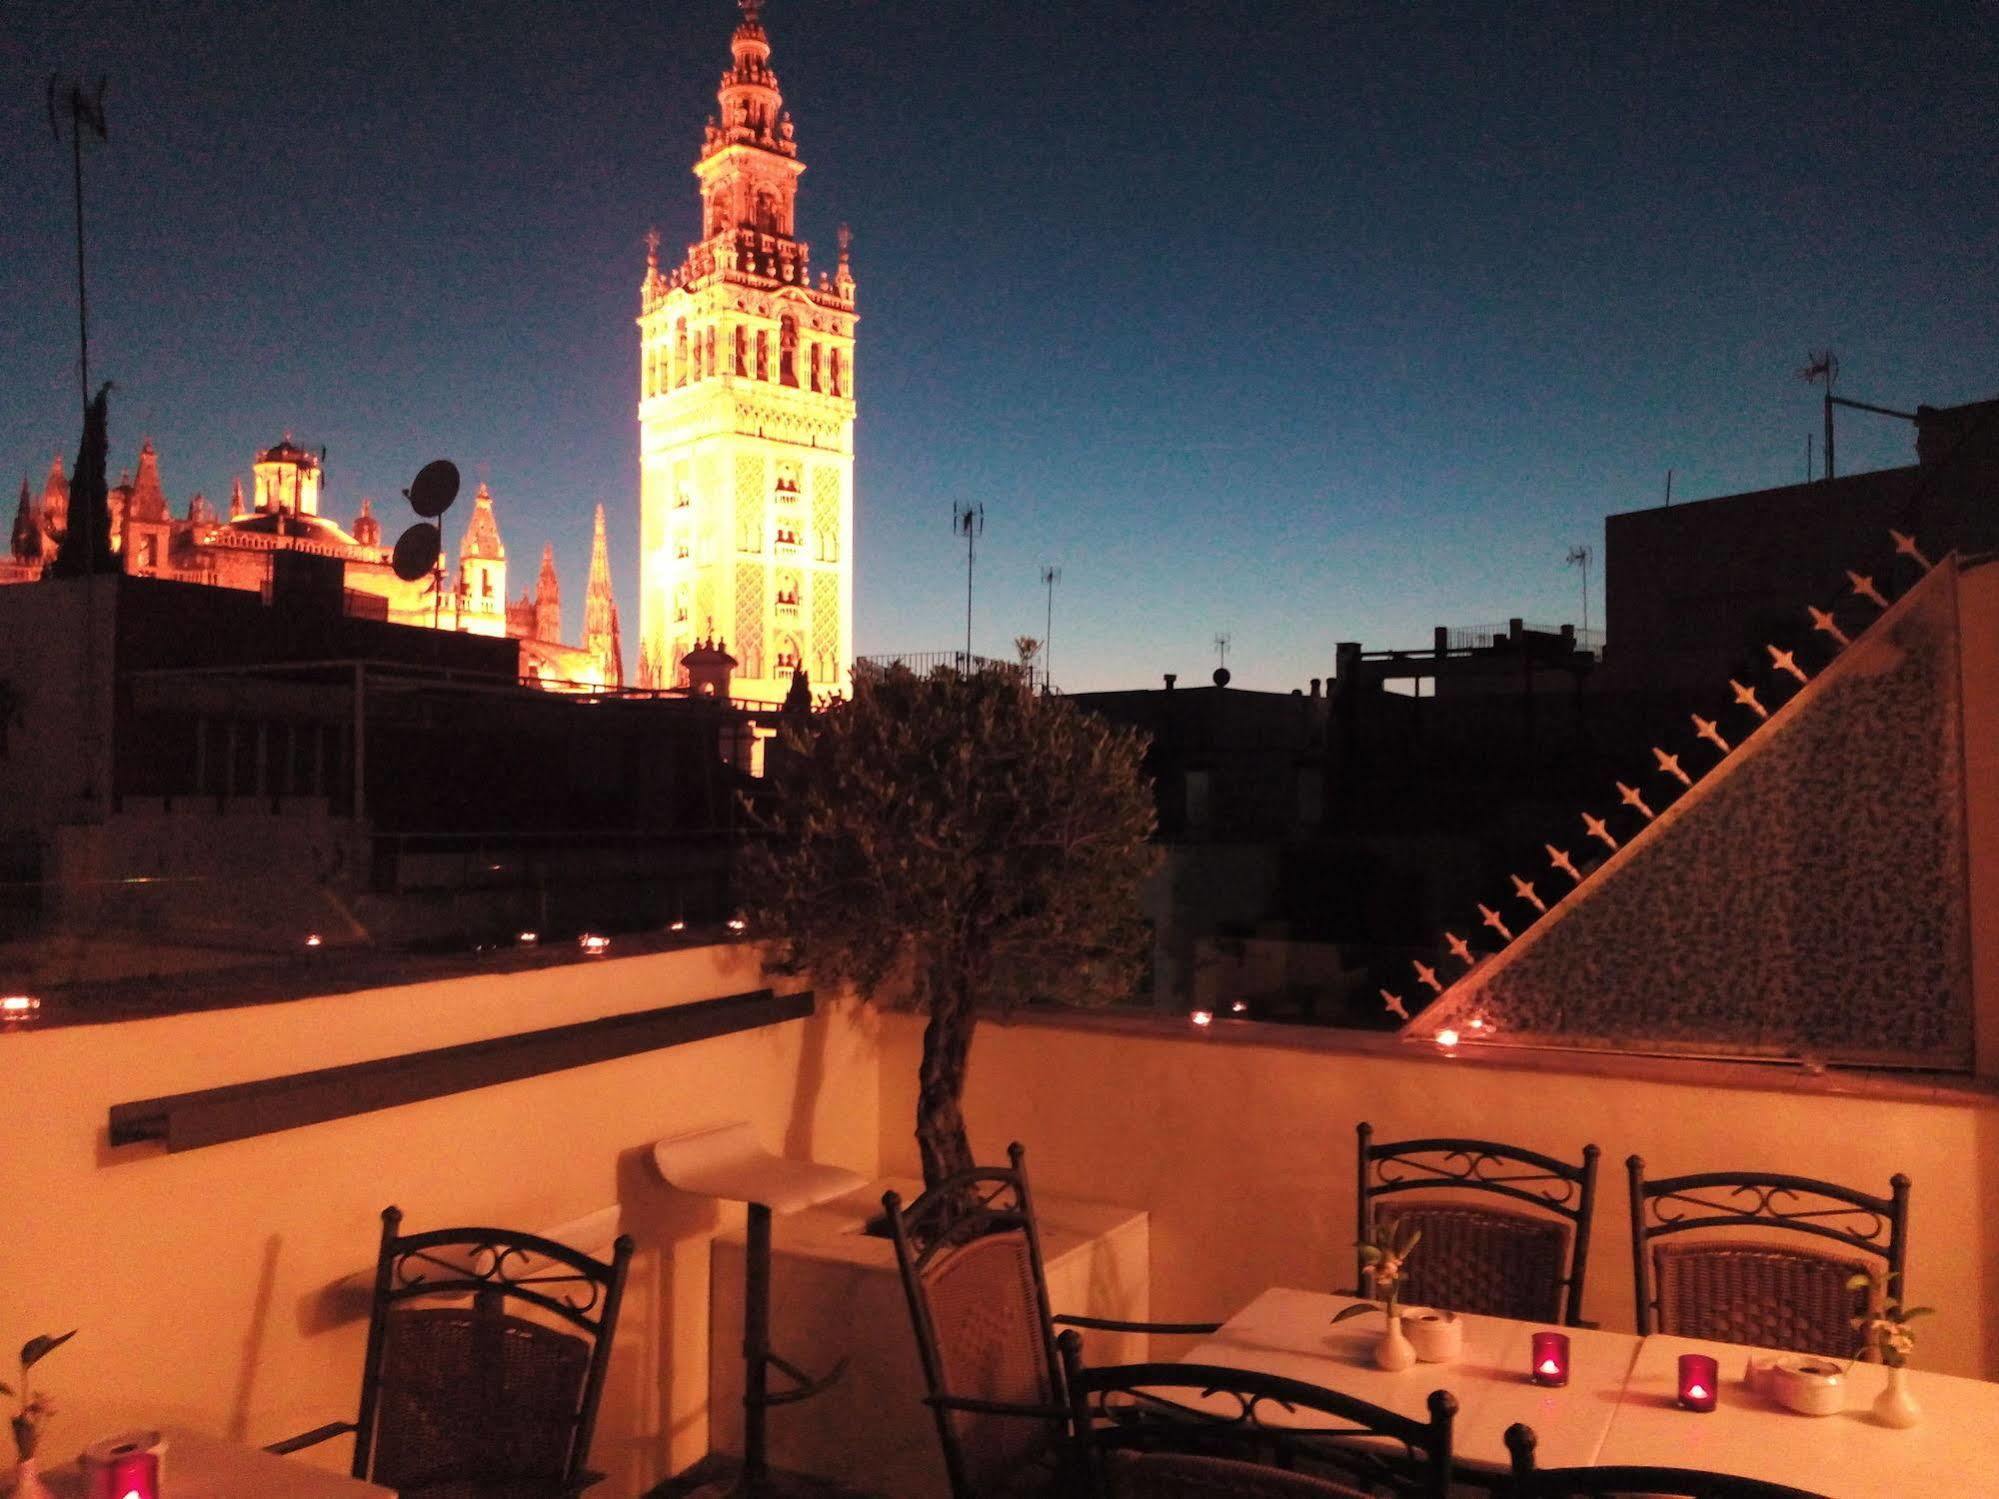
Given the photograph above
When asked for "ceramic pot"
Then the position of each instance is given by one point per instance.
(1895, 1406)
(1437, 1337)
(28, 1481)
(1809, 1386)
(1394, 1352)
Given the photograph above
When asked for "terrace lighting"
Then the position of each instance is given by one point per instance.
(1240, 1007)
(593, 944)
(313, 939)
(678, 926)
(737, 924)
(1202, 1017)
(1447, 1038)
(528, 939)
(19, 1007)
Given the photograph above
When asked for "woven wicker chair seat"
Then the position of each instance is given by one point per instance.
(1174, 1475)
(476, 1405)
(1487, 1260)
(989, 1340)
(1766, 1295)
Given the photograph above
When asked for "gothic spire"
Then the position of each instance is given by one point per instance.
(27, 537)
(482, 532)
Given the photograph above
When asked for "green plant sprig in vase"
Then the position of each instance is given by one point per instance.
(1884, 1332)
(1382, 1258)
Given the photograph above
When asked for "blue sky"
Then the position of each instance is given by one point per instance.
(1300, 322)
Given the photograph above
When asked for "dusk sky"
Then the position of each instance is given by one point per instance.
(1300, 322)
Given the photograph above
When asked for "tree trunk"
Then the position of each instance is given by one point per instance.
(940, 1091)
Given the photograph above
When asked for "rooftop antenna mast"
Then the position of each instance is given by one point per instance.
(1581, 556)
(1823, 365)
(1051, 574)
(969, 521)
(1222, 643)
(86, 113)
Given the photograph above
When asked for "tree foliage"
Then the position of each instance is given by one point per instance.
(969, 840)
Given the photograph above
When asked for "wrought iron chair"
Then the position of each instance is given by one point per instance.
(1530, 1482)
(1200, 1431)
(969, 1251)
(1477, 1257)
(1782, 1294)
(463, 1398)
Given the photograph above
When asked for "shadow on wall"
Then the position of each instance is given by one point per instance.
(253, 1339)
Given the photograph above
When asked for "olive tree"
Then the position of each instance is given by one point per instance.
(957, 842)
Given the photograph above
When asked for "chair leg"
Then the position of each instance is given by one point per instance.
(756, 1345)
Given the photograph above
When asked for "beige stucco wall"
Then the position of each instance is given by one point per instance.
(202, 1282)
(1243, 1152)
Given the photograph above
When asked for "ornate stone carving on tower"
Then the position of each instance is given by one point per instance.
(600, 613)
(746, 414)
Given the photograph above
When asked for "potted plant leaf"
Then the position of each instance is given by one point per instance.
(31, 1414)
(1884, 1330)
(1382, 1256)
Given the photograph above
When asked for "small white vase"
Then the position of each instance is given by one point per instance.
(28, 1481)
(1394, 1352)
(1895, 1406)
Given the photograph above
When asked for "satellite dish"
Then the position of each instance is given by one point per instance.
(417, 549)
(430, 494)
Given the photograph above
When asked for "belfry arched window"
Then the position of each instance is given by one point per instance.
(815, 366)
(839, 374)
(763, 353)
(787, 350)
(742, 350)
(708, 340)
(680, 352)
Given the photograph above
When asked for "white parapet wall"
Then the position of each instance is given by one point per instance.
(207, 1286)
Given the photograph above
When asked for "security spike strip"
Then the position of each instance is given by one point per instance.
(1630, 797)
(1823, 622)
(1395, 1006)
(1599, 832)
(1906, 546)
(1671, 765)
(1786, 661)
(1460, 949)
(1707, 729)
(1559, 858)
(1746, 696)
(1865, 588)
(1525, 890)
(1493, 919)
(1428, 975)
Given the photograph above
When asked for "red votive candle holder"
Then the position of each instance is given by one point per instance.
(1551, 1359)
(1699, 1378)
(134, 1475)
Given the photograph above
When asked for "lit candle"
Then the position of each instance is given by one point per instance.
(1551, 1359)
(1699, 1375)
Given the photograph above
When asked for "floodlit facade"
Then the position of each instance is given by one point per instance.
(746, 415)
(283, 515)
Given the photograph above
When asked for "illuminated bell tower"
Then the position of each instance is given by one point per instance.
(746, 415)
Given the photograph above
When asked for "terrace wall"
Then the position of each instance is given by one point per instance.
(1239, 1140)
(203, 1283)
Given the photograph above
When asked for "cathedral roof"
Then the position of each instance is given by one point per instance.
(289, 523)
(287, 451)
(148, 502)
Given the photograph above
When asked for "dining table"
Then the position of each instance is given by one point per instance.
(196, 1466)
(1620, 1405)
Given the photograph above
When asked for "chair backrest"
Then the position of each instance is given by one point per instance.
(970, 1257)
(1475, 1256)
(1785, 1293)
(1616, 1482)
(1250, 1427)
(486, 1357)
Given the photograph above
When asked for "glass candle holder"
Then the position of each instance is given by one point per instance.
(125, 1475)
(1699, 1376)
(1550, 1364)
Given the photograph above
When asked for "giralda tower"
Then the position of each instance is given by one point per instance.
(746, 414)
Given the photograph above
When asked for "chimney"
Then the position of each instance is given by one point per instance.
(1171, 678)
(1315, 689)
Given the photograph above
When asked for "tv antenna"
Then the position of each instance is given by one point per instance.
(1823, 365)
(420, 550)
(1222, 643)
(1581, 556)
(968, 521)
(1051, 574)
(86, 114)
